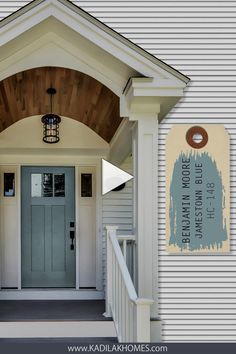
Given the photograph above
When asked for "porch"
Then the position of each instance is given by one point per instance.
(123, 274)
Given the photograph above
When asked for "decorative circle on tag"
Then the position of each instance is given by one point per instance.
(197, 137)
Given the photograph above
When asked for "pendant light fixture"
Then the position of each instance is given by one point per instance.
(51, 122)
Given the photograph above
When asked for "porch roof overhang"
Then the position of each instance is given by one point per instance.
(57, 33)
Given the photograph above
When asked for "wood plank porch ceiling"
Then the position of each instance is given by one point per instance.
(78, 96)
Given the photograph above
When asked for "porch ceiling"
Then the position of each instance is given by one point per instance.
(78, 96)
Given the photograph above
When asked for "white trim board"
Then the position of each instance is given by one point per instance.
(53, 329)
(46, 294)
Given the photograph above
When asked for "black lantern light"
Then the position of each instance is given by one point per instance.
(51, 123)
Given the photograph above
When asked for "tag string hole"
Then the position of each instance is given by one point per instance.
(197, 137)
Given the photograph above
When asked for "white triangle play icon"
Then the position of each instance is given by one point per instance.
(112, 176)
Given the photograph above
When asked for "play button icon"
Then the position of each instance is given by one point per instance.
(112, 177)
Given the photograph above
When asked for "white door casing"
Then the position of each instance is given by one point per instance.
(87, 229)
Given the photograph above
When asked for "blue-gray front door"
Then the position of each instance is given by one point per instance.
(48, 227)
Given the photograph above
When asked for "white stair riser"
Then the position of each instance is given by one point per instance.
(51, 295)
(57, 329)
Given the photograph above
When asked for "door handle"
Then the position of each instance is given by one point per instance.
(72, 237)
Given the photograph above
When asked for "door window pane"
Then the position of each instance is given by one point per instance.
(86, 185)
(59, 185)
(9, 184)
(36, 185)
(47, 185)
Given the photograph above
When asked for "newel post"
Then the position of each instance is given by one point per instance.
(110, 230)
(142, 320)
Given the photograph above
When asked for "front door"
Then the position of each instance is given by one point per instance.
(48, 227)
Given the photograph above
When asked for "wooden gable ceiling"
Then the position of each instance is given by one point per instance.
(78, 96)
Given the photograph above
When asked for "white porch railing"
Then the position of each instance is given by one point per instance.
(131, 314)
(127, 244)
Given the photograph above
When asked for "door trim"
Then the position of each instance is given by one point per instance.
(98, 226)
(19, 225)
(76, 228)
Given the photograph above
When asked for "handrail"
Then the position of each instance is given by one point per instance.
(131, 314)
(126, 238)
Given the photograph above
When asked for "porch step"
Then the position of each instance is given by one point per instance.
(52, 310)
(54, 319)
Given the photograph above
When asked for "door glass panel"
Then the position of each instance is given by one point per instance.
(59, 185)
(86, 185)
(47, 185)
(36, 185)
(9, 184)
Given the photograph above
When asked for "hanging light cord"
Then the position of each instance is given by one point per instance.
(51, 98)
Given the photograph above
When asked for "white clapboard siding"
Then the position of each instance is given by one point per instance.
(199, 39)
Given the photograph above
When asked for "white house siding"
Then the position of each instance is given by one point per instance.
(9, 6)
(197, 294)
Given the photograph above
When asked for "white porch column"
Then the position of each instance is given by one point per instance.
(145, 158)
(145, 100)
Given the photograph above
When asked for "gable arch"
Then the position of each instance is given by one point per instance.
(39, 48)
(79, 96)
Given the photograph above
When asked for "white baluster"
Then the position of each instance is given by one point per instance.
(125, 250)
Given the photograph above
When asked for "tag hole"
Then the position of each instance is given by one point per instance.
(197, 138)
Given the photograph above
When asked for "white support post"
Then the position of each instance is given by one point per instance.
(141, 318)
(144, 106)
(145, 156)
(110, 230)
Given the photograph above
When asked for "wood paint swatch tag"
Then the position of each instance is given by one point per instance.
(197, 189)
